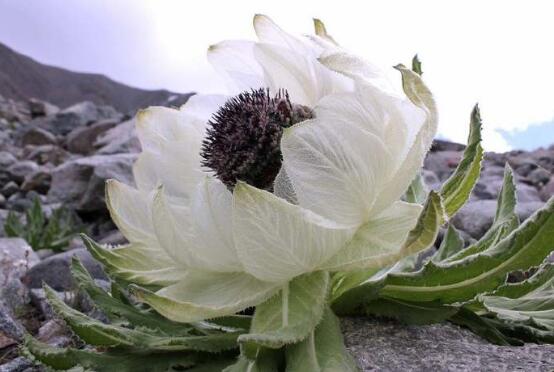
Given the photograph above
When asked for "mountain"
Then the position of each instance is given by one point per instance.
(22, 78)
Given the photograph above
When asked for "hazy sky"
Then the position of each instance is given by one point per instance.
(497, 53)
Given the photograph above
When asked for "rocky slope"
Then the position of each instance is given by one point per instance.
(64, 157)
(22, 78)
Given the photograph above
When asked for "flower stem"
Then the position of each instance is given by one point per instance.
(285, 303)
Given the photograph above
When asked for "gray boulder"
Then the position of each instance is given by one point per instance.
(19, 170)
(38, 136)
(55, 270)
(442, 163)
(476, 217)
(386, 345)
(80, 182)
(81, 140)
(121, 139)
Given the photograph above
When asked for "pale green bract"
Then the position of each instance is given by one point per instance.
(198, 250)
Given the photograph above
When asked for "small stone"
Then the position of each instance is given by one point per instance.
(6, 159)
(55, 333)
(38, 181)
(46, 154)
(9, 189)
(42, 108)
(539, 176)
(38, 136)
(21, 169)
(19, 364)
(121, 139)
(56, 270)
(81, 140)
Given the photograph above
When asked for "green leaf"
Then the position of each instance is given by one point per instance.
(68, 358)
(410, 312)
(352, 290)
(118, 311)
(451, 244)
(267, 360)
(417, 192)
(416, 65)
(461, 280)
(457, 189)
(97, 333)
(322, 351)
(483, 327)
(289, 317)
(506, 219)
(530, 302)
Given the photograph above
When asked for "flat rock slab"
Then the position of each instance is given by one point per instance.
(386, 345)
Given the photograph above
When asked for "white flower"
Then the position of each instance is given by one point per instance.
(335, 204)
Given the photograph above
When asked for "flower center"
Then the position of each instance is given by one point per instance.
(243, 137)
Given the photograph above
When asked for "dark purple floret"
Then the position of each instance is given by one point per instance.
(243, 137)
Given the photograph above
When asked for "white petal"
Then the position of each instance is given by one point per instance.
(177, 166)
(378, 240)
(420, 96)
(203, 106)
(335, 167)
(235, 60)
(207, 295)
(199, 235)
(158, 125)
(130, 210)
(173, 227)
(212, 208)
(268, 32)
(278, 241)
(137, 263)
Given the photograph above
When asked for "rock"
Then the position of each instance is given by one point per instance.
(42, 108)
(19, 364)
(430, 179)
(476, 217)
(55, 333)
(488, 187)
(443, 145)
(524, 166)
(81, 140)
(2, 204)
(16, 256)
(80, 182)
(9, 327)
(9, 189)
(442, 163)
(121, 139)
(113, 238)
(55, 270)
(38, 136)
(386, 345)
(527, 193)
(46, 154)
(75, 116)
(19, 170)
(547, 190)
(6, 159)
(539, 176)
(44, 253)
(38, 181)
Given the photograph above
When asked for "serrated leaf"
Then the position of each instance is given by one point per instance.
(461, 280)
(350, 291)
(451, 244)
(529, 303)
(115, 309)
(290, 316)
(68, 358)
(506, 219)
(97, 333)
(410, 312)
(417, 192)
(322, 351)
(457, 189)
